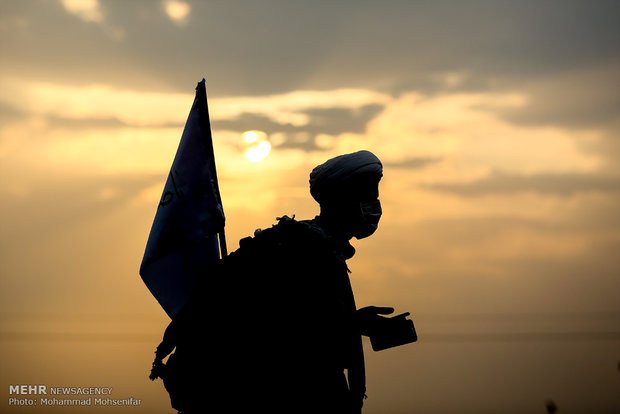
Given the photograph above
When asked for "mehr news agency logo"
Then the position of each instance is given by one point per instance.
(43, 395)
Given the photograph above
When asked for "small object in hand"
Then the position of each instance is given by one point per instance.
(391, 332)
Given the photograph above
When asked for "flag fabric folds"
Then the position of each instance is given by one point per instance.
(183, 241)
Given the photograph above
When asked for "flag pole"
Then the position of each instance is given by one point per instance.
(223, 248)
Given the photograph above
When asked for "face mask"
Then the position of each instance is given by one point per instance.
(371, 213)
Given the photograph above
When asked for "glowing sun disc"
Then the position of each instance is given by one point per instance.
(256, 145)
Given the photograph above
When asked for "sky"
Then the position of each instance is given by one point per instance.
(497, 123)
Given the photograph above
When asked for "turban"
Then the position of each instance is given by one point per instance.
(346, 176)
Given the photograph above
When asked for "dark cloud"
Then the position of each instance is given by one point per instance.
(9, 114)
(302, 141)
(275, 46)
(331, 121)
(249, 121)
(609, 148)
(576, 111)
(578, 99)
(295, 137)
(548, 183)
(334, 121)
(411, 163)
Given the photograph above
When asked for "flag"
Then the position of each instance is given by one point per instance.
(183, 241)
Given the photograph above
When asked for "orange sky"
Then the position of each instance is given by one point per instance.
(497, 123)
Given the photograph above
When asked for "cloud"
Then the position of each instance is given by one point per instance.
(177, 11)
(362, 56)
(294, 120)
(329, 121)
(130, 128)
(139, 107)
(95, 101)
(87, 10)
(296, 107)
(90, 11)
(402, 46)
(578, 98)
(334, 121)
(411, 163)
(10, 114)
(467, 133)
(498, 183)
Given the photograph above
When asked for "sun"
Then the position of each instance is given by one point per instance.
(255, 145)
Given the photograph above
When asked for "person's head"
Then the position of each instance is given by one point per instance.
(347, 189)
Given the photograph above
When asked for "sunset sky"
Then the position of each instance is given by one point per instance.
(498, 124)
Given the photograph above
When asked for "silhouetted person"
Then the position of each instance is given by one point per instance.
(275, 326)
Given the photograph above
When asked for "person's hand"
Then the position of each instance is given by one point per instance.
(367, 318)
